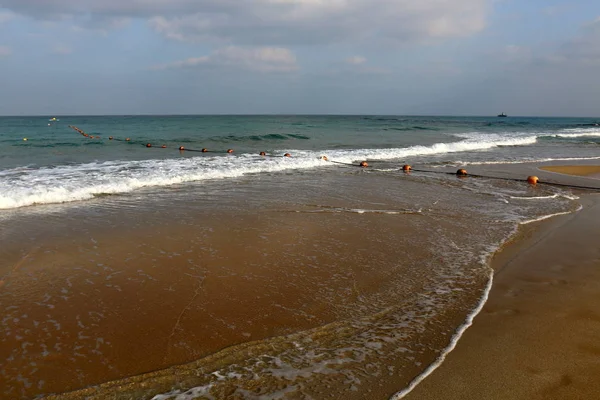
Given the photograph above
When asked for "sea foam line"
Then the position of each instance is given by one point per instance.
(469, 321)
(453, 342)
(529, 221)
(523, 161)
(554, 196)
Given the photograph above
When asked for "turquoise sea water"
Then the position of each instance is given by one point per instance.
(57, 164)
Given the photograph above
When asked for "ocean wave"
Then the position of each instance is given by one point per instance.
(257, 138)
(68, 183)
(523, 160)
(411, 128)
(575, 135)
(586, 130)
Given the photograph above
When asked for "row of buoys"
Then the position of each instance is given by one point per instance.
(83, 133)
(164, 146)
(532, 180)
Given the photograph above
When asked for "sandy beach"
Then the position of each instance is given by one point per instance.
(536, 337)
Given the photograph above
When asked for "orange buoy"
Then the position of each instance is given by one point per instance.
(406, 168)
(148, 145)
(86, 135)
(324, 158)
(228, 150)
(363, 164)
(127, 140)
(287, 155)
(461, 172)
(262, 153)
(164, 146)
(181, 148)
(532, 180)
(110, 138)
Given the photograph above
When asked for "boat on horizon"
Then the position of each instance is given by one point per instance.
(503, 115)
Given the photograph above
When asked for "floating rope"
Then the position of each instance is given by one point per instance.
(532, 180)
(462, 173)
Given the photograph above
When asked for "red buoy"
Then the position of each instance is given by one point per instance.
(148, 145)
(363, 164)
(228, 150)
(262, 153)
(532, 180)
(164, 146)
(181, 148)
(406, 168)
(461, 172)
(287, 155)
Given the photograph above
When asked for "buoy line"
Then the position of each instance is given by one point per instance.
(461, 172)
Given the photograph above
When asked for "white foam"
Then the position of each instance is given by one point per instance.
(554, 196)
(525, 160)
(578, 132)
(22, 187)
(543, 217)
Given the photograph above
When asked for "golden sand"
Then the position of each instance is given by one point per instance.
(579, 170)
(537, 336)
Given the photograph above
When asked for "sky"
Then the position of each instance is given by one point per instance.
(394, 57)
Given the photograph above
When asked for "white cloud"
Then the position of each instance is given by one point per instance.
(5, 51)
(355, 60)
(281, 22)
(62, 49)
(316, 22)
(355, 65)
(260, 59)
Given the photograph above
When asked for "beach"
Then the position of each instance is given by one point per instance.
(536, 337)
(156, 273)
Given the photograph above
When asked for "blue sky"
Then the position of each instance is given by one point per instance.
(460, 57)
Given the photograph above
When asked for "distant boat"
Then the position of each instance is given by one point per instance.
(502, 115)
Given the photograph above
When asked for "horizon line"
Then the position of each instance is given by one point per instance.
(284, 115)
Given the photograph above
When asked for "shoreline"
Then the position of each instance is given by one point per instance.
(530, 274)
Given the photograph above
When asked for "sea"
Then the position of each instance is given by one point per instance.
(136, 265)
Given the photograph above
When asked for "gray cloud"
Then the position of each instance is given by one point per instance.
(560, 81)
(585, 48)
(5, 51)
(61, 50)
(279, 22)
(6, 16)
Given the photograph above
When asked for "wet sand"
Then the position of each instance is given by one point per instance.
(195, 286)
(592, 171)
(101, 295)
(537, 336)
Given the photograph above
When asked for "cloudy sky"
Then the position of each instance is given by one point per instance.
(448, 57)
